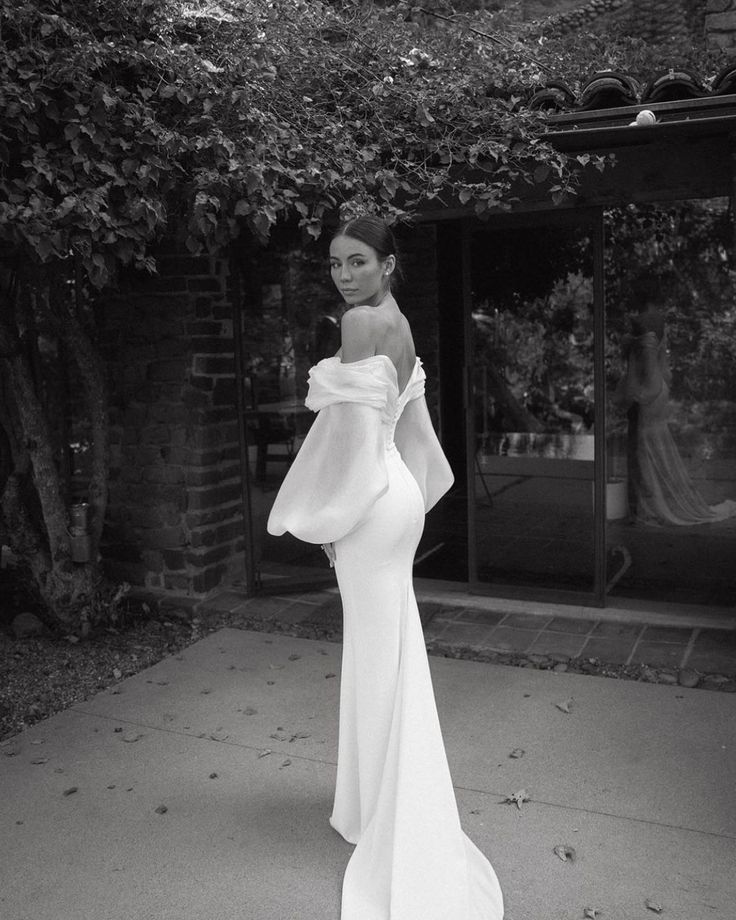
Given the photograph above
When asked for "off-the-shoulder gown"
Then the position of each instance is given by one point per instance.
(369, 469)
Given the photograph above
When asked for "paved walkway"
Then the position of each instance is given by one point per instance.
(200, 790)
(668, 640)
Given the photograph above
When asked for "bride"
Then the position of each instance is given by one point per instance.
(369, 469)
(661, 490)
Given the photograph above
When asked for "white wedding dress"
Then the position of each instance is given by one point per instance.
(369, 469)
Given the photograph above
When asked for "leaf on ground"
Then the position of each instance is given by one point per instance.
(250, 711)
(299, 735)
(264, 753)
(294, 657)
(130, 737)
(592, 913)
(39, 760)
(205, 690)
(161, 810)
(285, 763)
(565, 853)
(566, 706)
(653, 906)
(277, 736)
(219, 735)
(213, 775)
(117, 673)
(327, 676)
(276, 667)
(71, 790)
(517, 798)
(517, 753)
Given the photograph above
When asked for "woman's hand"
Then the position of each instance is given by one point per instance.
(329, 549)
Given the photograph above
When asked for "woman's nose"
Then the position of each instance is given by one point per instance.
(345, 273)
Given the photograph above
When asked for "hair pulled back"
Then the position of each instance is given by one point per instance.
(374, 232)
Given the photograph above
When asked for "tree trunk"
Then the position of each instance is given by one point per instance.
(91, 369)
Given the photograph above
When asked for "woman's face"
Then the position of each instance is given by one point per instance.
(359, 275)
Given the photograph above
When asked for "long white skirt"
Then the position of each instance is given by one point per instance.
(394, 796)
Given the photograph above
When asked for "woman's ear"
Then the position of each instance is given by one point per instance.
(389, 265)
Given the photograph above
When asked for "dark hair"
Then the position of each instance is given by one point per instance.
(645, 289)
(374, 232)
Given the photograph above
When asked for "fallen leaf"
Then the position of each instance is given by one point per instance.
(70, 791)
(265, 753)
(250, 711)
(205, 690)
(213, 775)
(117, 673)
(111, 786)
(327, 676)
(39, 741)
(285, 763)
(517, 753)
(161, 810)
(565, 853)
(277, 736)
(299, 735)
(566, 706)
(39, 760)
(270, 682)
(518, 798)
(219, 735)
(653, 906)
(276, 667)
(294, 657)
(130, 737)
(592, 913)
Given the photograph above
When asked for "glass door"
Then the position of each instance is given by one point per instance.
(531, 421)
(671, 398)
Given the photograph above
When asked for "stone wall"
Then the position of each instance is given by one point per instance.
(175, 517)
(720, 24)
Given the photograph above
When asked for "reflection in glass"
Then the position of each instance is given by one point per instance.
(672, 401)
(291, 320)
(532, 389)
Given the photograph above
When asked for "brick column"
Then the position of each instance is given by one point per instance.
(174, 519)
(720, 25)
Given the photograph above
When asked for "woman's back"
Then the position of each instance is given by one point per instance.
(382, 330)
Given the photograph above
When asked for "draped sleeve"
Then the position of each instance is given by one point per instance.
(340, 469)
(419, 445)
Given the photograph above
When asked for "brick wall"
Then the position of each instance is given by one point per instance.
(174, 519)
(720, 24)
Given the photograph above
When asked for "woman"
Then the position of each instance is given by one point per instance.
(369, 469)
(660, 488)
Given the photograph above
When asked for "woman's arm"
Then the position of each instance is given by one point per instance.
(358, 335)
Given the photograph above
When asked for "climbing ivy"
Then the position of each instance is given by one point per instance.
(121, 119)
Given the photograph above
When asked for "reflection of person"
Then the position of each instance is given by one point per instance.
(369, 469)
(660, 488)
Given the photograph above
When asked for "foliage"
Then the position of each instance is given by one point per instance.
(688, 247)
(119, 116)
